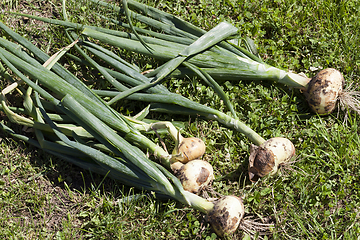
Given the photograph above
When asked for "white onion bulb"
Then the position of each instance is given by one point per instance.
(323, 90)
(189, 149)
(194, 175)
(226, 215)
(266, 158)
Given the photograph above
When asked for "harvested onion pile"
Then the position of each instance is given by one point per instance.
(119, 139)
(116, 156)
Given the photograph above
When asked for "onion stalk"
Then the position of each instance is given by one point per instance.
(225, 61)
(160, 101)
(242, 64)
(184, 106)
(130, 133)
(127, 163)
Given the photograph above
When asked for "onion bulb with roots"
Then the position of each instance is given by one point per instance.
(189, 149)
(226, 215)
(266, 158)
(194, 175)
(324, 89)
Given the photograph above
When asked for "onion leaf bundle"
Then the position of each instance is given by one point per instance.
(116, 154)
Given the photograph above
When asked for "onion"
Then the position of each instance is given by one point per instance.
(226, 215)
(176, 166)
(189, 149)
(324, 89)
(194, 175)
(266, 158)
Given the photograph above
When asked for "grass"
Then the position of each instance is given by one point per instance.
(317, 197)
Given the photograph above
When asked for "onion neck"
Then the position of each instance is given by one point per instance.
(198, 203)
(294, 80)
(145, 143)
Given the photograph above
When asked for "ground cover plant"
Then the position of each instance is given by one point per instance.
(316, 197)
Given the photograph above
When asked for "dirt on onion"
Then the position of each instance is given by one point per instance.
(324, 89)
(194, 175)
(226, 215)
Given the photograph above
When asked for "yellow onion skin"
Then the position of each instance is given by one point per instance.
(323, 90)
(189, 149)
(194, 175)
(266, 158)
(176, 166)
(226, 215)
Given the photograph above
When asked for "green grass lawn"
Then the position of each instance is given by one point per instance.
(316, 197)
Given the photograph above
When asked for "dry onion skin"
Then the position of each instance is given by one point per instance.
(266, 158)
(194, 175)
(189, 149)
(226, 215)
